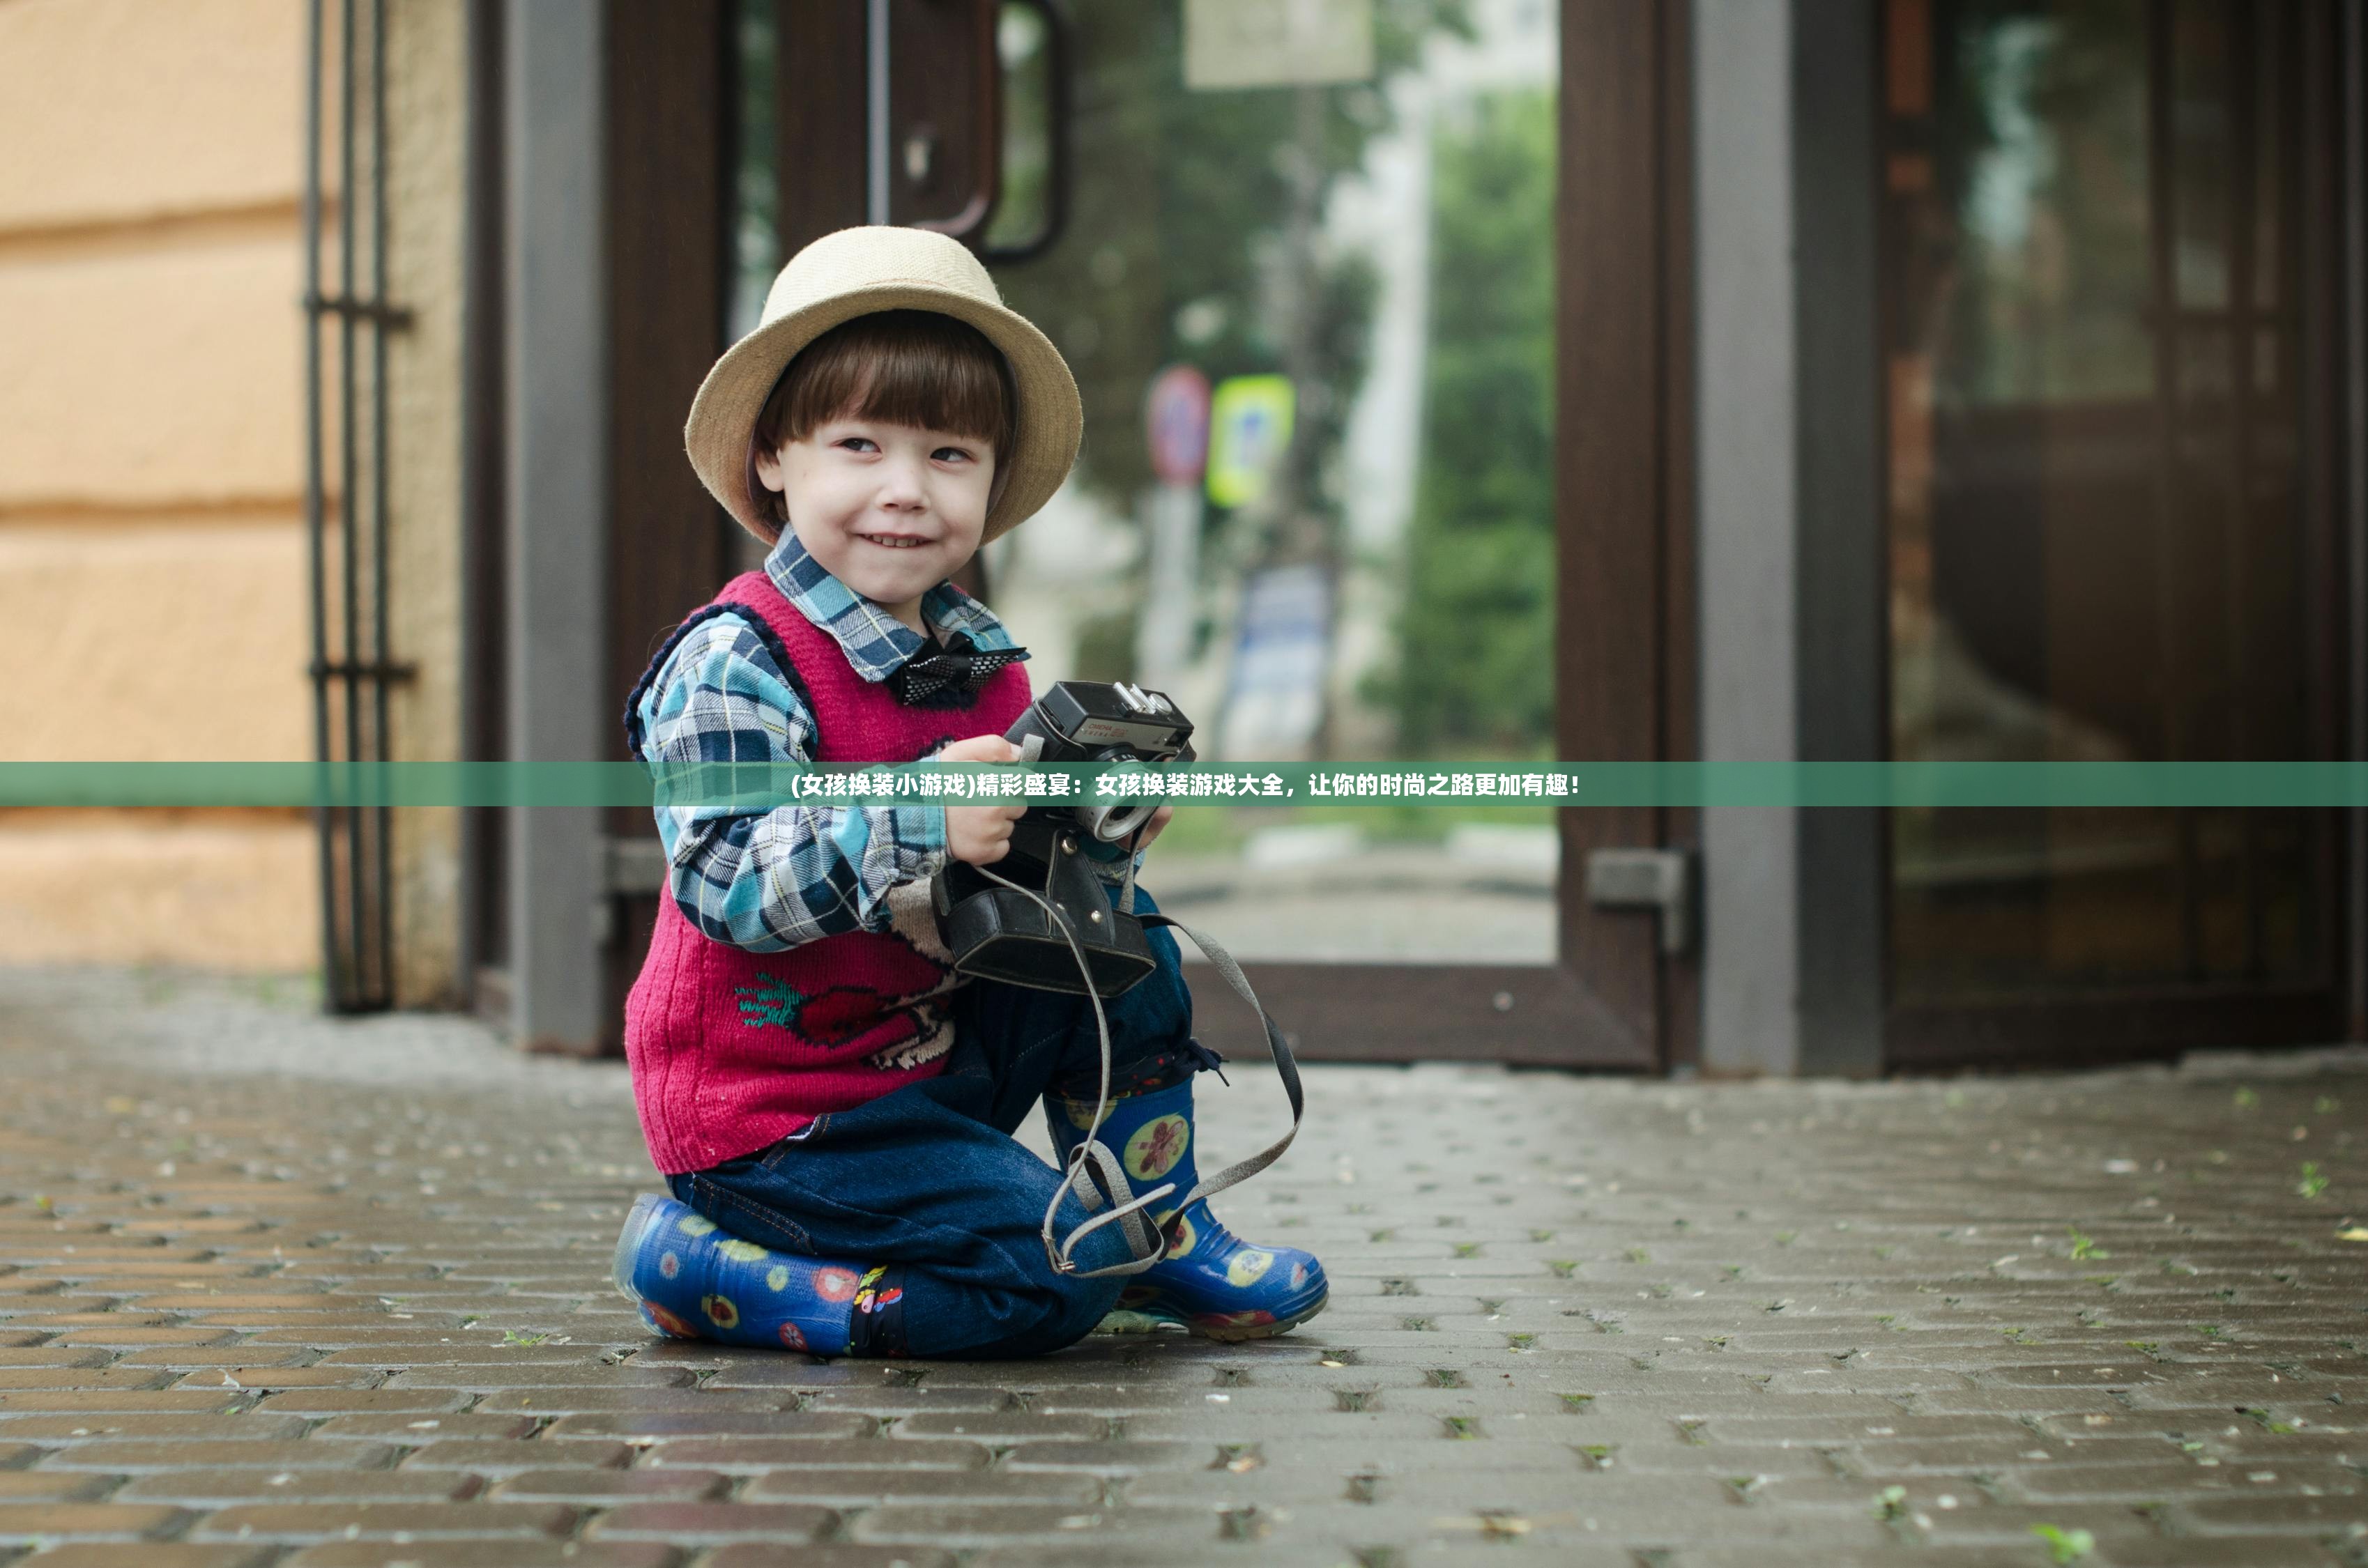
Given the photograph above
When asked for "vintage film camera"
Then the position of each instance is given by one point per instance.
(995, 929)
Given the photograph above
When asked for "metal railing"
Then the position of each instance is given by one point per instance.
(350, 668)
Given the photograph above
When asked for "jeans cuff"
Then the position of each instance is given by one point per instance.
(1146, 1075)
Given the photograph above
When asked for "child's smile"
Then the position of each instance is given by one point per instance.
(890, 510)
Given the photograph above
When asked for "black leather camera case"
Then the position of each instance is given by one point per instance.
(998, 933)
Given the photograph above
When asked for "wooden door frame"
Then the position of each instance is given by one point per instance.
(668, 164)
(1626, 664)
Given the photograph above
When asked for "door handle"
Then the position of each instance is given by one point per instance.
(1666, 881)
(1059, 60)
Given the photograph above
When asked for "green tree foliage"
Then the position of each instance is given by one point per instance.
(1477, 633)
(1178, 203)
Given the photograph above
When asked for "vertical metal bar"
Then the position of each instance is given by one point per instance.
(2308, 383)
(1839, 647)
(2162, 86)
(558, 66)
(380, 862)
(2353, 32)
(2304, 387)
(2301, 192)
(1677, 1004)
(315, 519)
(349, 511)
(2243, 108)
(481, 485)
(876, 78)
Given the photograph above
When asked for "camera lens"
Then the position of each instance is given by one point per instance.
(1110, 824)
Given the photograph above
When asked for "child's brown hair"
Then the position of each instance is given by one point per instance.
(914, 368)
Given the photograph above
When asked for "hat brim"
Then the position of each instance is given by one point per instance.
(1049, 421)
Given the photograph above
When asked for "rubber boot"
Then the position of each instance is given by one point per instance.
(694, 1280)
(1212, 1282)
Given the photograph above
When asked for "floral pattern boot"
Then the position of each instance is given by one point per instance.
(1212, 1282)
(694, 1280)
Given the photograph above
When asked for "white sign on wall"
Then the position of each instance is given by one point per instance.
(1276, 43)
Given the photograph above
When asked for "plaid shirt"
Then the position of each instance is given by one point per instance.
(770, 880)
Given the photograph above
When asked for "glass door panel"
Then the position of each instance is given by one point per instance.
(1327, 231)
(2100, 547)
(1350, 233)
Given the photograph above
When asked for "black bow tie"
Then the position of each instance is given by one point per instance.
(952, 675)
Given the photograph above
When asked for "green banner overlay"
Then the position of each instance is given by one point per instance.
(754, 787)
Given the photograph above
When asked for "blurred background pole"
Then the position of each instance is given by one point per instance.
(1172, 517)
(1176, 431)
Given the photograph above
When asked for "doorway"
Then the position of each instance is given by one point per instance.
(1356, 230)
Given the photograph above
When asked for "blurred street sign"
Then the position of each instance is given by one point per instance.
(1249, 431)
(1276, 43)
(1176, 423)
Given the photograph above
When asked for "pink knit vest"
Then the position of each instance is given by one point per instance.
(731, 1049)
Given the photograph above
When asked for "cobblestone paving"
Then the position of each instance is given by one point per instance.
(274, 1291)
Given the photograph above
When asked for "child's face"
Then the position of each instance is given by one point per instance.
(890, 510)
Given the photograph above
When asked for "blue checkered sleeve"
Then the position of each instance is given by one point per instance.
(770, 880)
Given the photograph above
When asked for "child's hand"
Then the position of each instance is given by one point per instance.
(979, 748)
(1150, 830)
(981, 835)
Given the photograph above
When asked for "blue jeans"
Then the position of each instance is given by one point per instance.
(928, 1178)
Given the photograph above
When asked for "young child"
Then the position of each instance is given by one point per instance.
(831, 1106)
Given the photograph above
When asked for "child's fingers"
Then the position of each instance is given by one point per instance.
(980, 748)
(981, 835)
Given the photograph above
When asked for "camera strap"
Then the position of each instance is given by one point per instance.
(1094, 1173)
(1286, 1067)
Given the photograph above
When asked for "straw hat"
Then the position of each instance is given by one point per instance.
(856, 272)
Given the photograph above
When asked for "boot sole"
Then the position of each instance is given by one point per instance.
(1235, 1334)
(1129, 1320)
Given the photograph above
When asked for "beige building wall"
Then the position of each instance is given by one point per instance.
(153, 587)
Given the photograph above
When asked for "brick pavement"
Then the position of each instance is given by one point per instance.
(279, 1291)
